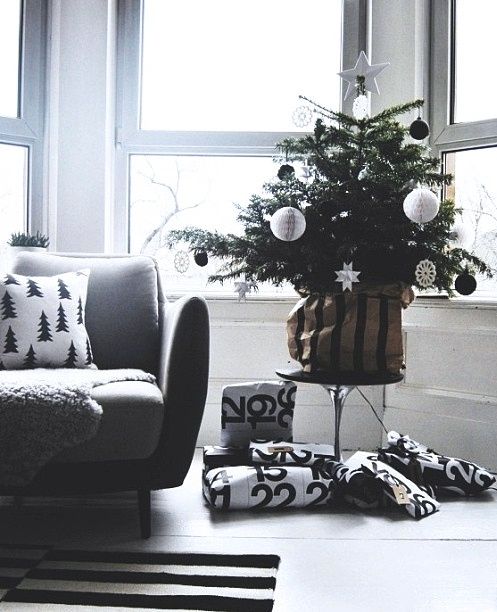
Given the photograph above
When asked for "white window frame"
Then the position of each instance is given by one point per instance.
(131, 140)
(27, 129)
(447, 136)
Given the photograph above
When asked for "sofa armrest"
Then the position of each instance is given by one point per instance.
(183, 377)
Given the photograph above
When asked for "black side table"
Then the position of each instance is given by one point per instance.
(339, 385)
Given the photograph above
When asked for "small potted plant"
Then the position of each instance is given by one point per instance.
(20, 241)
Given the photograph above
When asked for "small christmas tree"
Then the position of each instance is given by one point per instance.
(80, 312)
(61, 319)
(10, 345)
(64, 293)
(8, 307)
(72, 354)
(357, 173)
(34, 289)
(30, 359)
(44, 329)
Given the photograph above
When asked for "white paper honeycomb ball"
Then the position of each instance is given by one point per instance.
(360, 107)
(288, 224)
(421, 205)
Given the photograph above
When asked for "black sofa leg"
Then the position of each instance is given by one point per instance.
(145, 514)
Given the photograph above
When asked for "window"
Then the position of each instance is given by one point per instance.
(208, 89)
(464, 120)
(22, 27)
(10, 45)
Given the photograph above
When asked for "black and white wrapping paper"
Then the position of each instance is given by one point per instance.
(289, 453)
(259, 410)
(259, 487)
(428, 468)
(396, 487)
(355, 486)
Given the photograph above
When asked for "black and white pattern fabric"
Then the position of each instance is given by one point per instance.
(259, 410)
(396, 487)
(259, 487)
(34, 578)
(430, 469)
(355, 486)
(42, 321)
(276, 452)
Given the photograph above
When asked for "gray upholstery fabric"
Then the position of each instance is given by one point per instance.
(133, 412)
(122, 315)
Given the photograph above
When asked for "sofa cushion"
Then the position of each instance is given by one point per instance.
(122, 312)
(42, 321)
(133, 412)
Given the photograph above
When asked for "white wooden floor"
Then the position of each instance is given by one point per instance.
(331, 560)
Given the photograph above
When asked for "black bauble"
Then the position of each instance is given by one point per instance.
(285, 171)
(419, 129)
(465, 283)
(201, 258)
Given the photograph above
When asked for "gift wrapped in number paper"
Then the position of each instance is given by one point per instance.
(221, 456)
(258, 487)
(356, 487)
(354, 331)
(258, 410)
(427, 467)
(396, 487)
(289, 453)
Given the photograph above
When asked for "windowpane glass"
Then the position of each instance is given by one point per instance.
(10, 19)
(169, 192)
(237, 66)
(475, 85)
(474, 190)
(13, 193)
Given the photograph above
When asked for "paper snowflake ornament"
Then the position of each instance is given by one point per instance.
(363, 69)
(425, 273)
(347, 276)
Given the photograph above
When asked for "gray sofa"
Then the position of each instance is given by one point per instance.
(148, 432)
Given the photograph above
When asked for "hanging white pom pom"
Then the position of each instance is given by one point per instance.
(360, 107)
(421, 205)
(288, 224)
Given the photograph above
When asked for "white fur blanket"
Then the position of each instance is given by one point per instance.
(43, 411)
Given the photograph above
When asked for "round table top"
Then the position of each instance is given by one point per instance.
(324, 377)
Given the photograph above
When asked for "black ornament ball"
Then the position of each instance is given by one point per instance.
(419, 129)
(465, 283)
(201, 258)
(285, 171)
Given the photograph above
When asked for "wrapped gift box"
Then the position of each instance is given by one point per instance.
(430, 469)
(395, 486)
(289, 453)
(258, 487)
(221, 456)
(258, 410)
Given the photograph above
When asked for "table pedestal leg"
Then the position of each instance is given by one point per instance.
(338, 395)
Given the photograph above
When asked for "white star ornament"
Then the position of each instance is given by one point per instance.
(347, 276)
(364, 69)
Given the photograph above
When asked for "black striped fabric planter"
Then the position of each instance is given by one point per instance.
(38, 578)
(350, 331)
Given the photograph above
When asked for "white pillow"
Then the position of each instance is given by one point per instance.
(42, 321)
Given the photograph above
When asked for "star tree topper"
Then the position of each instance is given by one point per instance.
(363, 69)
(347, 276)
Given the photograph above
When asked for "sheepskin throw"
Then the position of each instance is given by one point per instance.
(43, 411)
(42, 321)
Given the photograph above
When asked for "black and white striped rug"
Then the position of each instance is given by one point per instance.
(42, 578)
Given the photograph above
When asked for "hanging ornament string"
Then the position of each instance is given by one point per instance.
(374, 411)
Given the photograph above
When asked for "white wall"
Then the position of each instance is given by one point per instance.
(81, 123)
(449, 398)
